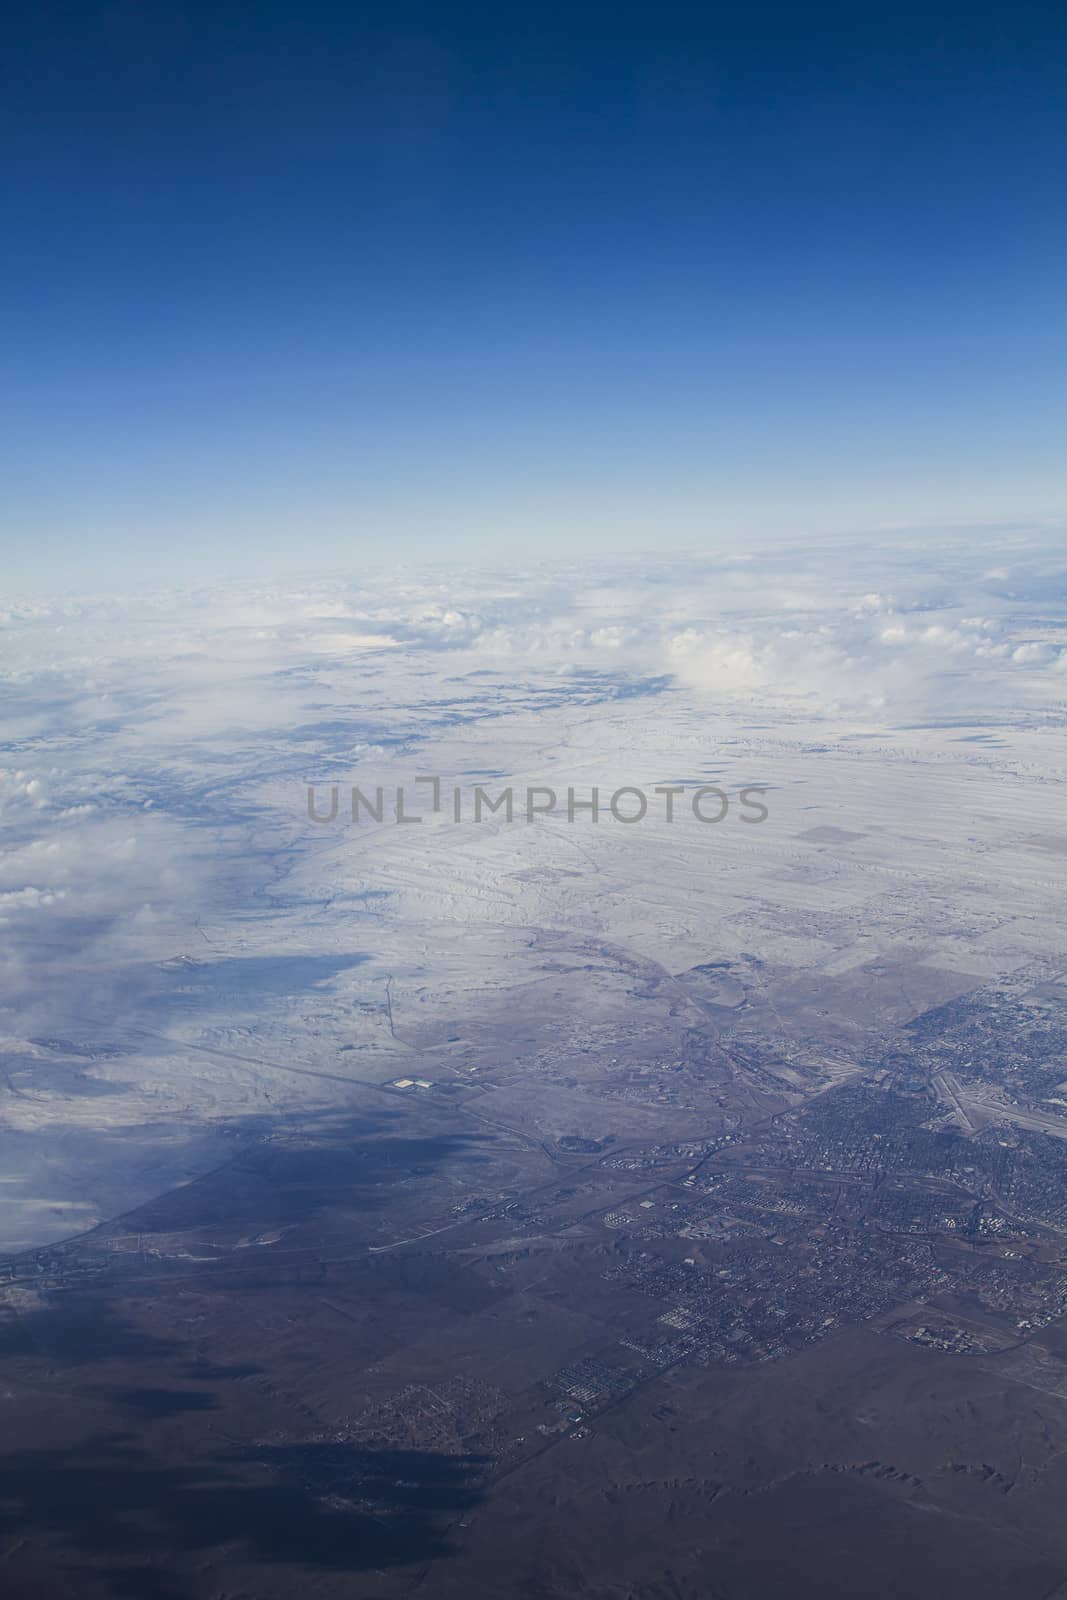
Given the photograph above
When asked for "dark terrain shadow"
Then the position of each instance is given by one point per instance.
(160, 1402)
(351, 1166)
(77, 1329)
(319, 1507)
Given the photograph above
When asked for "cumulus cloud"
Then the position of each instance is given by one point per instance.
(870, 660)
(74, 879)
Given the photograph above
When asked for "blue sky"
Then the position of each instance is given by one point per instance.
(355, 281)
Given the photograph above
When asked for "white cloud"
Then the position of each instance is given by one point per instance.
(142, 721)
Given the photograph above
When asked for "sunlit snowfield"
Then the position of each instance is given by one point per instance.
(189, 960)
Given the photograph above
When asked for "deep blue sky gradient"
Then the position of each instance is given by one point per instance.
(357, 280)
